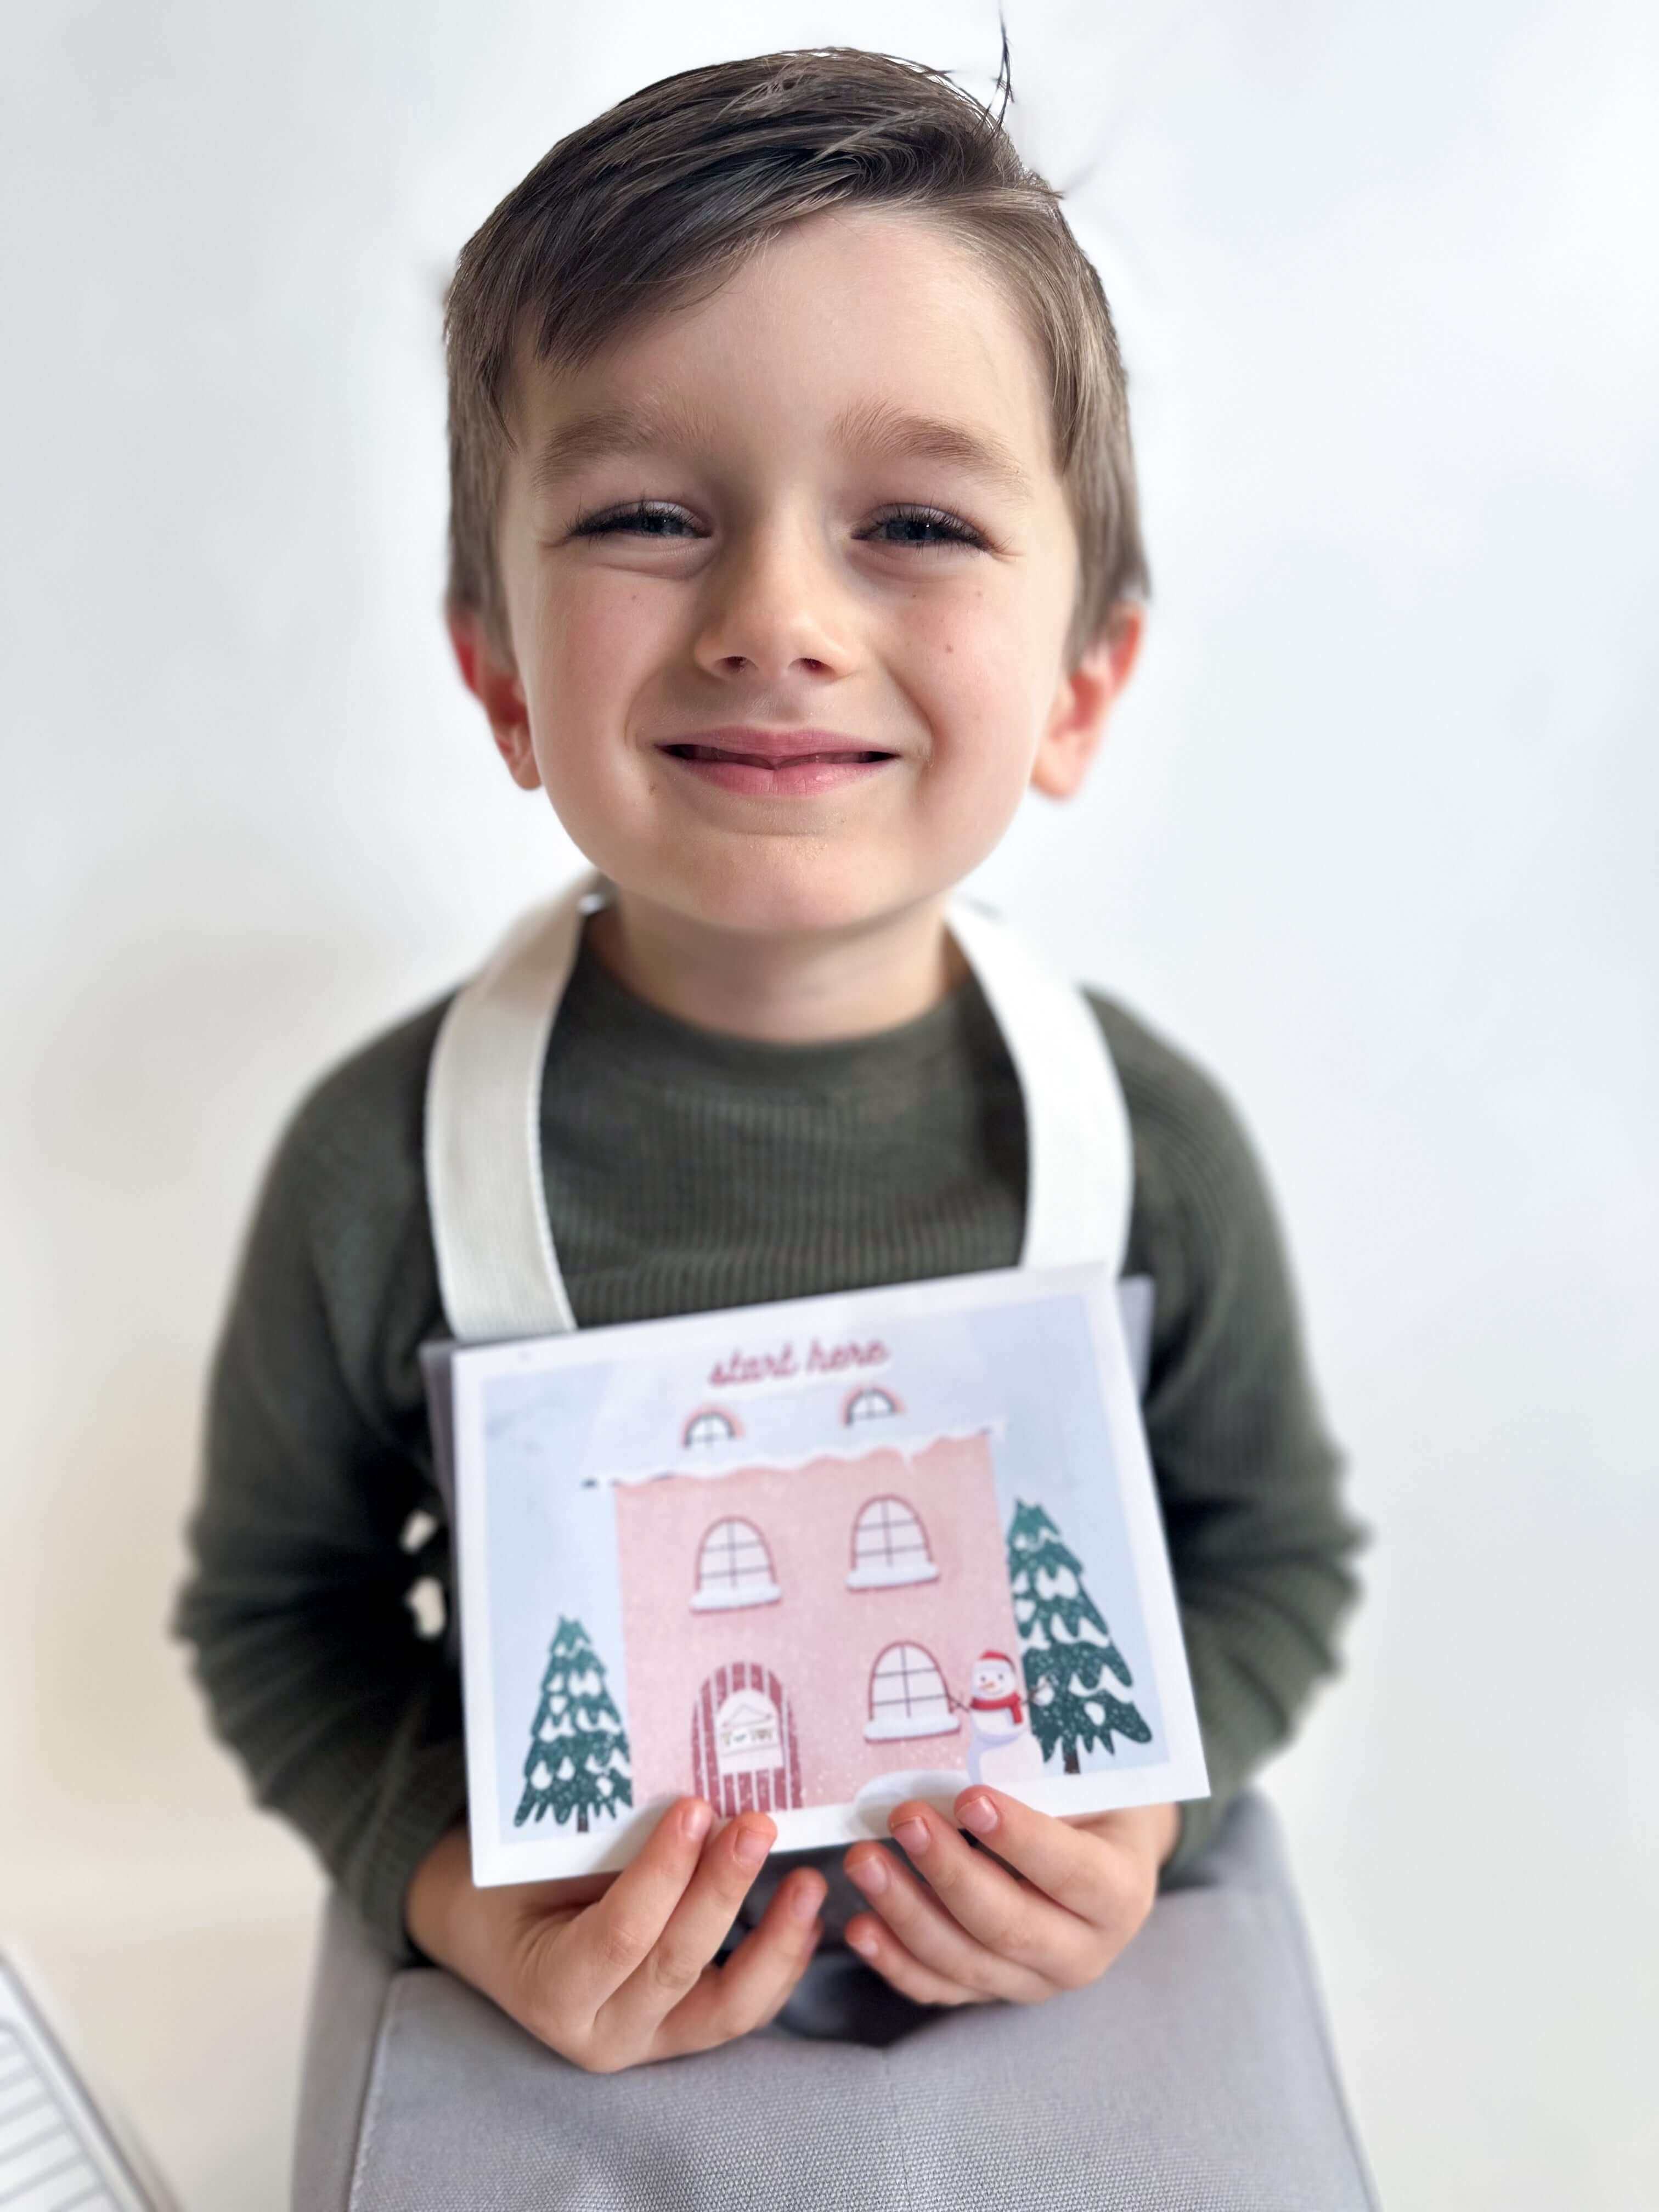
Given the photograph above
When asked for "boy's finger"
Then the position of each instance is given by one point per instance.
(1010, 1918)
(1076, 1869)
(755, 1982)
(928, 1930)
(698, 1924)
(606, 1943)
(879, 1948)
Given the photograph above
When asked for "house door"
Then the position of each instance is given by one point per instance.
(745, 1758)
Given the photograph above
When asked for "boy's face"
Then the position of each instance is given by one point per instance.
(788, 574)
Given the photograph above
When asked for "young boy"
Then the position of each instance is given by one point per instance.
(794, 535)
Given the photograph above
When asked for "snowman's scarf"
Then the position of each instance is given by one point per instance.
(1012, 1705)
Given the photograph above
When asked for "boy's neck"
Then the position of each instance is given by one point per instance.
(810, 989)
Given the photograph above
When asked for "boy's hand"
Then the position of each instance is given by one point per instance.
(613, 1971)
(1066, 1902)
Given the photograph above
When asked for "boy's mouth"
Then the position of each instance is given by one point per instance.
(774, 763)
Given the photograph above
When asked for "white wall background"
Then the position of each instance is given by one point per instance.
(1375, 839)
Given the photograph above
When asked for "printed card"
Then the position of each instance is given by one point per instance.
(810, 1559)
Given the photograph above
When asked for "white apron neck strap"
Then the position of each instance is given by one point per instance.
(1080, 1166)
(498, 1273)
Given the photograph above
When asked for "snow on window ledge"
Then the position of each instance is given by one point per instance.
(885, 1574)
(890, 1731)
(729, 1600)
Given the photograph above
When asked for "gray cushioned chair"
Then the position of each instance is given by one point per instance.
(1197, 2076)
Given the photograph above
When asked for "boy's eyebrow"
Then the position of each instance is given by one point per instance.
(606, 431)
(891, 432)
(896, 434)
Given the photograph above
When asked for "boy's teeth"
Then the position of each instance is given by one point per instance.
(762, 759)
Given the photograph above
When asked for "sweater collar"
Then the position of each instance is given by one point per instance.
(615, 1024)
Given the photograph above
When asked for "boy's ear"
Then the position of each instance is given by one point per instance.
(493, 683)
(1076, 720)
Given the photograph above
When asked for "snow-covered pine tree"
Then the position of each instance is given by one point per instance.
(578, 1757)
(1072, 1668)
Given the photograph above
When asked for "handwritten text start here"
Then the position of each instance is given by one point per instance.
(778, 1366)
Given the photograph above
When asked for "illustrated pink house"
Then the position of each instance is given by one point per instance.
(793, 1632)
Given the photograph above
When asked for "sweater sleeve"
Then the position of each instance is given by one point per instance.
(1260, 1540)
(346, 1718)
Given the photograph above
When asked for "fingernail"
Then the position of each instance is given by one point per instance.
(913, 1834)
(806, 1900)
(870, 1873)
(978, 1814)
(750, 1847)
(863, 1943)
(694, 1822)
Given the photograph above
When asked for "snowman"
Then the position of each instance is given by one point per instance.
(1001, 1749)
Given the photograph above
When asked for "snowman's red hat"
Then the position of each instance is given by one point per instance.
(1002, 1655)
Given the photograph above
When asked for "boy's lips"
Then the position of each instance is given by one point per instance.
(775, 762)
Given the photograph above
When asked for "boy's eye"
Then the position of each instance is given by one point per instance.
(925, 526)
(650, 518)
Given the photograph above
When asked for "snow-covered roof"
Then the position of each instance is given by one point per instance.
(743, 1455)
(786, 1421)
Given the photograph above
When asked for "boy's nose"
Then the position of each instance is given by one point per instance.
(772, 610)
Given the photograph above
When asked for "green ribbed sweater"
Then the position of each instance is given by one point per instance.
(686, 1170)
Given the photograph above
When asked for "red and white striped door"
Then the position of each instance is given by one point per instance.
(745, 1756)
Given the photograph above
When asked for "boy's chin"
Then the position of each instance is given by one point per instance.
(803, 902)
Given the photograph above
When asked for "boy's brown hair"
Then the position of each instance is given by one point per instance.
(661, 198)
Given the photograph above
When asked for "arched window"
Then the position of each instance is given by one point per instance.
(889, 1547)
(869, 1403)
(908, 1696)
(709, 1425)
(734, 1568)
